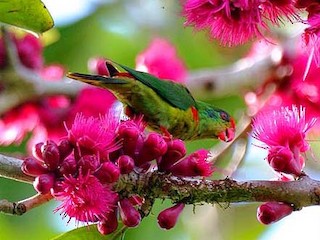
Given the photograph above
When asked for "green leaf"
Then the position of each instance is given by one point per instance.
(90, 232)
(28, 14)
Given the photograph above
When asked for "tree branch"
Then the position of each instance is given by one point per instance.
(300, 193)
(11, 168)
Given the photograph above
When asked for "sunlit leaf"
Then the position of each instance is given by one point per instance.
(28, 14)
(89, 232)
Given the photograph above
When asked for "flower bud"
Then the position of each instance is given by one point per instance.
(50, 155)
(167, 219)
(136, 200)
(153, 147)
(68, 167)
(65, 148)
(88, 163)
(281, 159)
(193, 165)
(98, 66)
(125, 164)
(129, 215)
(110, 224)
(271, 212)
(175, 151)
(108, 172)
(37, 152)
(30, 51)
(43, 183)
(33, 167)
(130, 138)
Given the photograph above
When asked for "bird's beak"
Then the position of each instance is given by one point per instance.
(229, 134)
(86, 78)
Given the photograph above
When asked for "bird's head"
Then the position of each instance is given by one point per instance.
(228, 133)
(215, 122)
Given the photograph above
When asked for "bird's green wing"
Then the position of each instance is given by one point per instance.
(175, 94)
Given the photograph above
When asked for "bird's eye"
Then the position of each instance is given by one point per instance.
(224, 116)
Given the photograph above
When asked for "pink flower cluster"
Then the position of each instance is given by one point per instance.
(236, 22)
(283, 131)
(82, 170)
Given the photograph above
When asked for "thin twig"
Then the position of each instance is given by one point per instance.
(23, 206)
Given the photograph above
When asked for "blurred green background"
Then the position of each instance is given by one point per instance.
(120, 30)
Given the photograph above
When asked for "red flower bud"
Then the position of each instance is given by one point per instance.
(98, 66)
(129, 215)
(193, 165)
(136, 200)
(125, 164)
(50, 155)
(68, 166)
(153, 147)
(33, 167)
(30, 51)
(167, 219)
(65, 148)
(43, 183)
(281, 159)
(88, 163)
(130, 137)
(108, 172)
(175, 151)
(37, 152)
(110, 224)
(271, 212)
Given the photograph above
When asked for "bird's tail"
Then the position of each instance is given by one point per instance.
(96, 80)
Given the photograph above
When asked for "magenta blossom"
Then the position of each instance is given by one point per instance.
(231, 22)
(283, 132)
(84, 198)
(312, 33)
(94, 135)
(161, 60)
(236, 22)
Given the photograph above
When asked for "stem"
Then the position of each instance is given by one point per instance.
(25, 205)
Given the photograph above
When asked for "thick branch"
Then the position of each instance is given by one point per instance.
(301, 193)
(11, 168)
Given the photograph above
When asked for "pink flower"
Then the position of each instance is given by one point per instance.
(15, 124)
(284, 127)
(275, 10)
(312, 33)
(94, 135)
(231, 22)
(92, 101)
(84, 198)
(284, 132)
(161, 60)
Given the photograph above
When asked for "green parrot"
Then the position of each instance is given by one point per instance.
(166, 106)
